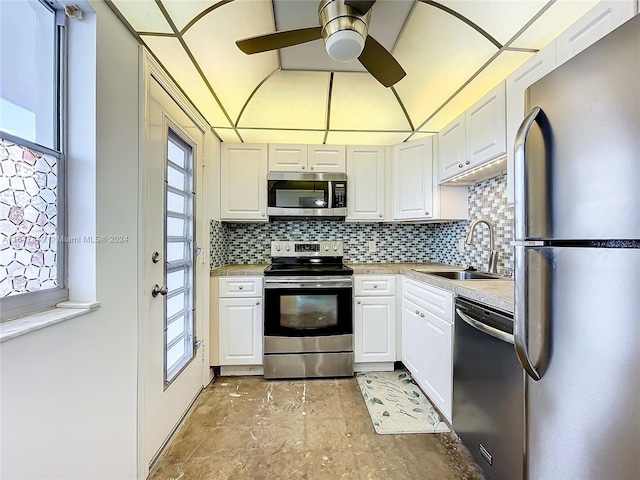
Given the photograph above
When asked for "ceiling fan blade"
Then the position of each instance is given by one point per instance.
(361, 6)
(380, 63)
(273, 41)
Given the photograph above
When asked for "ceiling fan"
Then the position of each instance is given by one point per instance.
(344, 29)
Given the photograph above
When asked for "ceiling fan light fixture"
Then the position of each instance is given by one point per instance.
(344, 45)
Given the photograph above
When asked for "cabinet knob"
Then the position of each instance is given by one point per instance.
(264, 215)
(375, 286)
(359, 302)
(422, 315)
(467, 162)
(417, 312)
(240, 287)
(460, 165)
(426, 213)
(310, 168)
(380, 215)
(302, 168)
(258, 303)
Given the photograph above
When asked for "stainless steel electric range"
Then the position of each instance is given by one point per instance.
(308, 319)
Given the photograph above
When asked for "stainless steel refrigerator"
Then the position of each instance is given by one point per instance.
(577, 258)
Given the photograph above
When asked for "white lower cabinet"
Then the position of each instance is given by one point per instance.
(427, 340)
(375, 329)
(240, 322)
(374, 326)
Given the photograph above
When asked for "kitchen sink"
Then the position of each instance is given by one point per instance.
(463, 275)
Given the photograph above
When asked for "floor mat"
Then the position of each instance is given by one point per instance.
(396, 405)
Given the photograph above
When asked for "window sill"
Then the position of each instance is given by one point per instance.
(31, 323)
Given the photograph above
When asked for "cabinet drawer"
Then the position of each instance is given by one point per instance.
(435, 300)
(375, 285)
(233, 287)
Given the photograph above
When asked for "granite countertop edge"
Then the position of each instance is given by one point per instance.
(495, 293)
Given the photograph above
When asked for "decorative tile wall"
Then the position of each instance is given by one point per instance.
(249, 243)
(218, 245)
(487, 200)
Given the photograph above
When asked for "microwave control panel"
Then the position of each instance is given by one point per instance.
(340, 195)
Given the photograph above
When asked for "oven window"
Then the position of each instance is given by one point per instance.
(302, 312)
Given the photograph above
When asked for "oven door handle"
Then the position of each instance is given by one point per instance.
(309, 284)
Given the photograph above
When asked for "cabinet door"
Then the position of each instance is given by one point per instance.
(243, 186)
(326, 158)
(591, 27)
(240, 331)
(412, 180)
(375, 329)
(486, 129)
(365, 188)
(531, 71)
(438, 373)
(287, 158)
(452, 149)
(412, 339)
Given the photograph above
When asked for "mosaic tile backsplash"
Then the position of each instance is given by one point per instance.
(249, 243)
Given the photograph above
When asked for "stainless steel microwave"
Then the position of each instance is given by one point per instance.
(294, 194)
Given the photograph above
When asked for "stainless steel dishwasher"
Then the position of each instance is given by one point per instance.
(488, 390)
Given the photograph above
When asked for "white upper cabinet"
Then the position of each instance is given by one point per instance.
(592, 26)
(486, 137)
(365, 187)
(326, 158)
(532, 70)
(287, 158)
(243, 182)
(452, 148)
(306, 158)
(476, 137)
(416, 193)
(412, 180)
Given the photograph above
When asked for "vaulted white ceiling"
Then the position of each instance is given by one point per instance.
(454, 51)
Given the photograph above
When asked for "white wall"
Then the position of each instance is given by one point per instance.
(69, 391)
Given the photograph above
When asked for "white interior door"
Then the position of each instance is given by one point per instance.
(171, 358)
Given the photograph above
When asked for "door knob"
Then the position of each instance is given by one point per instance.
(157, 289)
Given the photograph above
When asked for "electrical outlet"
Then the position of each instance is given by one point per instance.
(461, 245)
(372, 246)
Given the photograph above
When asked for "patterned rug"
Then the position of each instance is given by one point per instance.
(396, 405)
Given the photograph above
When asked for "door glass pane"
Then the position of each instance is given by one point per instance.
(175, 178)
(175, 305)
(175, 280)
(175, 227)
(179, 303)
(175, 202)
(175, 251)
(175, 329)
(176, 153)
(308, 311)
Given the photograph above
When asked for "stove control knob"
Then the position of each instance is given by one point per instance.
(335, 248)
(288, 247)
(326, 248)
(278, 247)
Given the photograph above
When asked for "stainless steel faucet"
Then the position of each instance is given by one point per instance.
(493, 253)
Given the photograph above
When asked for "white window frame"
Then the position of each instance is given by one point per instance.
(15, 306)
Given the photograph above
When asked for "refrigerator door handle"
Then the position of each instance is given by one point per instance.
(521, 320)
(536, 115)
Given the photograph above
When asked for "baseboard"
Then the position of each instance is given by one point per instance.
(374, 367)
(238, 370)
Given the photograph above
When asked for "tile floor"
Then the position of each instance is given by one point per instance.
(250, 428)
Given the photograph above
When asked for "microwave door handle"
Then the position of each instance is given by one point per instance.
(330, 193)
